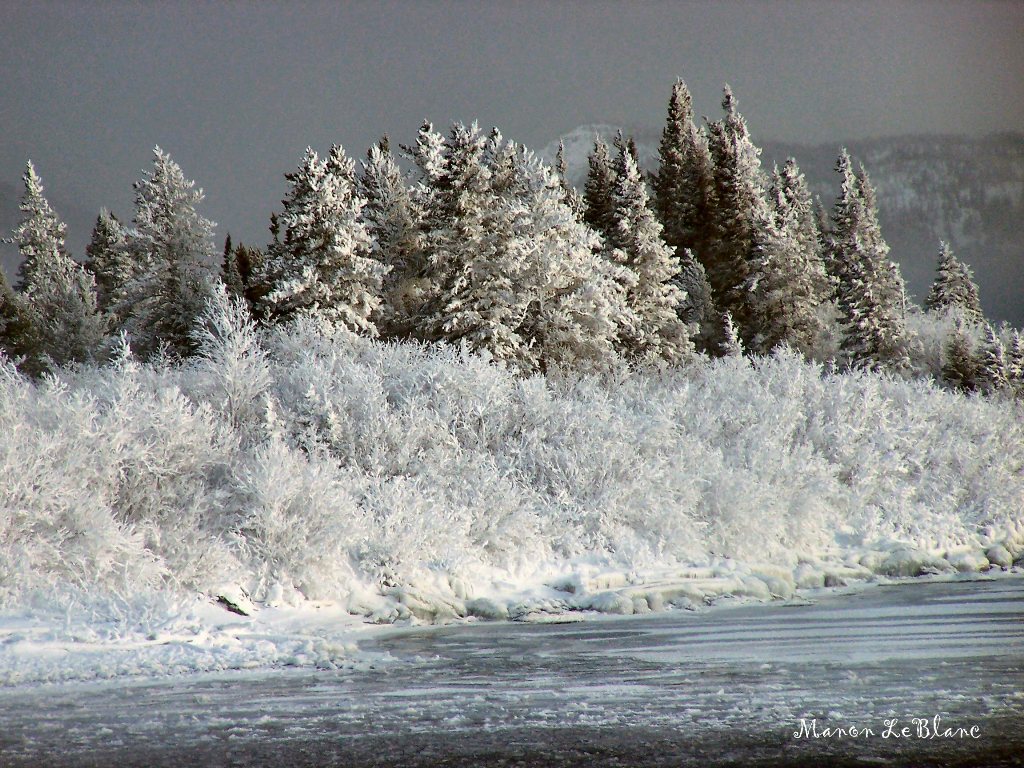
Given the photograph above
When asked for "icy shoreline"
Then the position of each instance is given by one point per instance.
(205, 635)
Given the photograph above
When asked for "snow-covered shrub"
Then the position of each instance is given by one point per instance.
(331, 466)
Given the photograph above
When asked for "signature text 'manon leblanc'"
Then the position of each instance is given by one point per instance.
(892, 728)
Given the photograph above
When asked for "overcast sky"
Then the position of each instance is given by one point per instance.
(235, 91)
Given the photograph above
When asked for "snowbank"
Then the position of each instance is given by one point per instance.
(397, 481)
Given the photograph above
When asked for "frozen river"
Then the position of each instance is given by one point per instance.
(721, 687)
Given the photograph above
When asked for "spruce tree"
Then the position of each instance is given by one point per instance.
(991, 362)
(172, 247)
(599, 192)
(959, 366)
(655, 298)
(17, 334)
(870, 293)
(55, 316)
(108, 258)
(787, 278)
(738, 189)
(684, 183)
(570, 195)
(954, 288)
(40, 233)
(1015, 364)
(391, 223)
(322, 267)
(697, 308)
(230, 272)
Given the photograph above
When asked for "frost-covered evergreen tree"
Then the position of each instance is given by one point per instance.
(787, 280)
(730, 344)
(173, 253)
(56, 314)
(697, 308)
(391, 223)
(684, 183)
(954, 288)
(738, 188)
(1015, 364)
(39, 234)
(454, 228)
(993, 373)
(230, 272)
(510, 267)
(17, 335)
(655, 298)
(570, 194)
(108, 258)
(959, 367)
(599, 191)
(322, 267)
(870, 293)
(791, 201)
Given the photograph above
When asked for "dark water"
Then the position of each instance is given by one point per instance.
(725, 687)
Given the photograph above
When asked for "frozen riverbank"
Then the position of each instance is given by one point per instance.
(676, 688)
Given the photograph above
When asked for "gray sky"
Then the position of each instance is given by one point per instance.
(235, 91)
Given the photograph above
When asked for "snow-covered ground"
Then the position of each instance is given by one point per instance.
(710, 686)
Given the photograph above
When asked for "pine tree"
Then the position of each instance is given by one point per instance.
(684, 183)
(954, 288)
(655, 298)
(391, 223)
(323, 266)
(738, 188)
(599, 192)
(730, 346)
(959, 367)
(107, 257)
(991, 364)
(172, 247)
(870, 293)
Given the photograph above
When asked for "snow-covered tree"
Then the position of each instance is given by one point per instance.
(392, 225)
(730, 345)
(954, 288)
(1015, 363)
(230, 273)
(791, 201)
(599, 191)
(738, 188)
(697, 308)
(870, 292)
(17, 337)
(39, 234)
(959, 366)
(571, 195)
(684, 183)
(990, 358)
(787, 279)
(56, 312)
(655, 298)
(322, 267)
(173, 253)
(108, 259)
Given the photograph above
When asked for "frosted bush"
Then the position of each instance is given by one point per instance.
(327, 466)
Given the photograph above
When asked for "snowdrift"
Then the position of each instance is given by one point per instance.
(400, 480)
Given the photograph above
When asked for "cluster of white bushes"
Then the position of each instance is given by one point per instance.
(305, 465)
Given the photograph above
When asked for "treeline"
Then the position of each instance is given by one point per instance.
(483, 244)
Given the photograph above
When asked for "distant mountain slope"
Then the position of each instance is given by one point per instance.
(964, 190)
